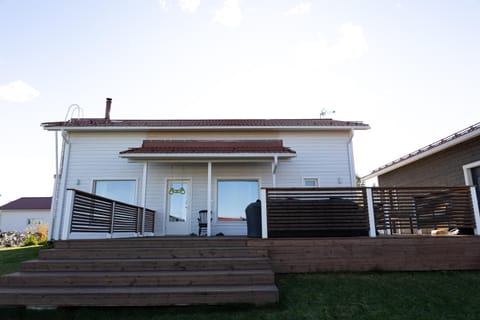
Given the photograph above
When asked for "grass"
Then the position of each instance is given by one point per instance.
(397, 296)
(10, 258)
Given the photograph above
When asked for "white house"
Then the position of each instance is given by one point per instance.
(179, 167)
(19, 214)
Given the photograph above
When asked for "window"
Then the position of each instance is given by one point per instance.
(34, 221)
(233, 196)
(310, 182)
(120, 190)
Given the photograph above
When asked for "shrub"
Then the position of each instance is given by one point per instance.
(31, 240)
(42, 233)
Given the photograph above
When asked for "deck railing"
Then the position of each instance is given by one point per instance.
(307, 212)
(421, 210)
(95, 214)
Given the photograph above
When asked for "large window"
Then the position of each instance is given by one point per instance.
(233, 196)
(120, 190)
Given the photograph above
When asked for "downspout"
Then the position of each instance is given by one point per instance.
(63, 182)
(274, 171)
(351, 165)
(61, 176)
(56, 186)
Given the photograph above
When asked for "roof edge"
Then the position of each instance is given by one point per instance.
(439, 145)
(99, 124)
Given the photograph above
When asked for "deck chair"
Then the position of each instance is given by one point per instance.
(202, 222)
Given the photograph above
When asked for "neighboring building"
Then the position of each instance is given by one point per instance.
(451, 161)
(24, 212)
(179, 167)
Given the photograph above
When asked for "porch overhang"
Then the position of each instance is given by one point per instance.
(209, 150)
(205, 157)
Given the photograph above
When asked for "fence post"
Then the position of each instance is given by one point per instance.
(67, 219)
(476, 211)
(112, 219)
(371, 215)
(263, 200)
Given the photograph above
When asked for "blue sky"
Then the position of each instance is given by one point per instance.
(410, 69)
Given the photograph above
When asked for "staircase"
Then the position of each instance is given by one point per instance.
(143, 272)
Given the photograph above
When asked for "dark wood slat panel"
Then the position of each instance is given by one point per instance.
(92, 213)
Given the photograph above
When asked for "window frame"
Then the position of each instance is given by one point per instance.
(305, 179)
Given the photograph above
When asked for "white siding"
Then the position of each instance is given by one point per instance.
(17, 220)
(325, 155)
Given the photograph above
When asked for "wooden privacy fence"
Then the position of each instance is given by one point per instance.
(92, 213)
(420, 210)
(311, 212)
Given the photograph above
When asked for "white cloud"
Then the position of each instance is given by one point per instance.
(163, 4)
(299, 10)
(18, 91)
(189, 5)
(230, 14)
(350, 46)
(352, 43)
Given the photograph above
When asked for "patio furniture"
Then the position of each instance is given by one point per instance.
(202, 222)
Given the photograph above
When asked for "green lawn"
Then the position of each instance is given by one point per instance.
(401, 295)
(10, 258)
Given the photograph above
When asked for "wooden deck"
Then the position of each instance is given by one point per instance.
(188, 271)
(143, 272)
(359, 254)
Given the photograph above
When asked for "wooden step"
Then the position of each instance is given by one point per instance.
(154, 242)
(178, 264)
(144, 279)
(138, 296)
(151, 253)
(143, 272)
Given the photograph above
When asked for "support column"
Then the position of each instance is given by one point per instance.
(476, 211)
(371, 215)
(144, 194)
(209, 199)
(263, 200)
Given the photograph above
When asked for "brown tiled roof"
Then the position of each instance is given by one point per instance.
(210, 146)
(100, 122)
(29, 203)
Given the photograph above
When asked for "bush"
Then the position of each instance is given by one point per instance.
(42, 233)
(31, 240)
(35, 235)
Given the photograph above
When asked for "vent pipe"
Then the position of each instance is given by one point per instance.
(107, 108)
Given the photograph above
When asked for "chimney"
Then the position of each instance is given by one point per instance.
(107, 108)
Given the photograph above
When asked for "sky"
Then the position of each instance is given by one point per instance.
(408, 68)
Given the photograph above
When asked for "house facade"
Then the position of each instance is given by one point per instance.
(451, 161)
(180, 167)
(24, 212)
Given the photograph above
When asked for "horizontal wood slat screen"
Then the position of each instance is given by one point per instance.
(420, 210)
(309, 212)
(92, 213)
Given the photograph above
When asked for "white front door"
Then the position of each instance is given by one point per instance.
(178, 207)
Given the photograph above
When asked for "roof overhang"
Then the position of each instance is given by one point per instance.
(264, 150)
(205, 157)
(209, 128)
(100, 124)
(438, 146)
